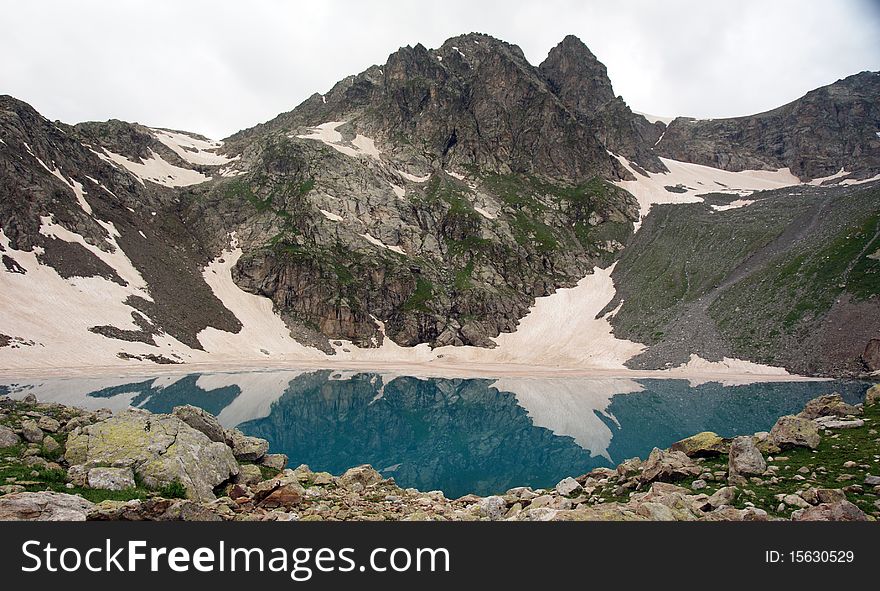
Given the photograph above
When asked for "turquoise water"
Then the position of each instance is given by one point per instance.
(456, 435)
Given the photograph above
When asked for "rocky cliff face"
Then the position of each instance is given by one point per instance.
(830, 129)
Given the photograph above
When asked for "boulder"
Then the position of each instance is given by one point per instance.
(161, 449)
(872, 396)
(43, 506)
(358, 478)
(702, 444)
(285, 495)
(249, 474)
(48, 424)
(668, 466)
(831, 422)
(723, 496)
(31, 431)
(745, 459)
(50, 446)
(244, 447)
(568, 486)
(8, 438)
(200, 420)
(111, 478)
(492, 508)
(829, 405)
(840, 510)
(274, 461)
(791, 431)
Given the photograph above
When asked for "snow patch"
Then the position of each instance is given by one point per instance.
(331, 216)
(327, 133)
(191, 149)
(157, 170)
(398, 190)
(740, 372)
(414, 178)
(263, 334)
(484, 213)
(375, 241)
(651, 190)
(733, 205)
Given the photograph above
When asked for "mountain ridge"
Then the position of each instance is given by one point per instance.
(427, 201)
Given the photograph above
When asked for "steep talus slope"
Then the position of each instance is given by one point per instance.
(829, 129)
(790, 280)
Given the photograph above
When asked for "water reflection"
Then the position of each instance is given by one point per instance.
(457, 435)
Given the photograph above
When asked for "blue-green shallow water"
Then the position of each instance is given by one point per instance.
(456, 435)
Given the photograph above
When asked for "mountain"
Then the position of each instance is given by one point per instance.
(420, 209)
(828, 130)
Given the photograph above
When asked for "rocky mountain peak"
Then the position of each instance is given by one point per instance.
(577, 76)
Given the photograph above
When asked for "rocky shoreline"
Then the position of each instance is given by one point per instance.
(60, 463)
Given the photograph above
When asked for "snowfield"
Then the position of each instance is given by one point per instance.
(156, 170)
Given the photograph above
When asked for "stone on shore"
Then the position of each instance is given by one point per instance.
(668, 466)
(161, 449)
(8, 438)
(702, 444)
(244, 447)
(200, 420)
(744, 458)
(43, 506)
(793, 431)
(111, 478)
(829, 405)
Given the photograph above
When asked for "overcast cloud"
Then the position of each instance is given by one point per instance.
(219, 66)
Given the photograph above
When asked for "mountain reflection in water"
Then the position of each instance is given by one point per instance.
(456, 435)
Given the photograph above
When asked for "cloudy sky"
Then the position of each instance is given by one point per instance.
(218, 66)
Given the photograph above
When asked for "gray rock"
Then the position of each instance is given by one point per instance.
(244, 447)
(358, 478)
(161, 449)
(492, 508)
(835, 423)
(723, 496)
(201, 420)
(795, 501)
(249, 474)
(29, 399)
(872, 480)
(568, 486)
(668, 466)
(274, 461)
(745, 459)
(8, 438)
(43, 506)
(48, 424)
(50, 445)
(111, 478)
(31, 432)
(830, 405)
(792, 431)
(699, 484)
(841, 510)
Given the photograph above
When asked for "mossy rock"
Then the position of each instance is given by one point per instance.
(702, 444)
